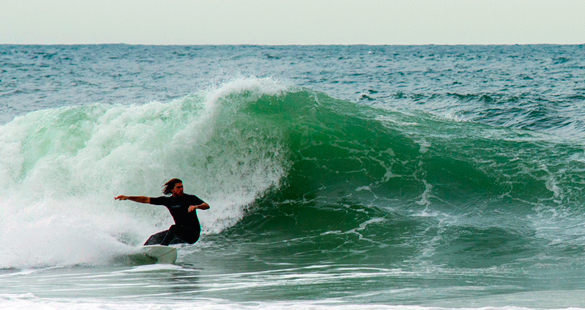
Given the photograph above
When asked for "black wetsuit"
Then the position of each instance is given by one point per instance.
(186, 228)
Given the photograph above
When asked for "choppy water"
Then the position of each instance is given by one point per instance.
(401, 177)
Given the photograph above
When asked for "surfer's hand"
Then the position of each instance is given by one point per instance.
(121, 197)
(203, 206)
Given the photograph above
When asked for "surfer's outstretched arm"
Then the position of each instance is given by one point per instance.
(203, 206)
(141, 199)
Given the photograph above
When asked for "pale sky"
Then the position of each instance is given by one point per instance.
(278, 22)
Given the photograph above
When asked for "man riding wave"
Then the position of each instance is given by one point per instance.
(183, 210)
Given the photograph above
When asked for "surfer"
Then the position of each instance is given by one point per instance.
(182, 208)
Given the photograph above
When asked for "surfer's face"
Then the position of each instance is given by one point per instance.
(178, 190)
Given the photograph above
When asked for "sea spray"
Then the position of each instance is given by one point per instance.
(62, 168)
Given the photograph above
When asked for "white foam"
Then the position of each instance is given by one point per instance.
(212, 304)
(424, 145)
(63, 167)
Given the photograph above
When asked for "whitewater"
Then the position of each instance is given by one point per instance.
(376, 177)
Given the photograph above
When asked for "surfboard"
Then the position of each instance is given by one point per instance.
(162, 254)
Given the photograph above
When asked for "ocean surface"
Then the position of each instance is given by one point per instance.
(339, 177)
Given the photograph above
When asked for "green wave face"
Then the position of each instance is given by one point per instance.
(383, 186)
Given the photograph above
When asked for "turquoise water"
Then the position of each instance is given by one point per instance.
(338, 176)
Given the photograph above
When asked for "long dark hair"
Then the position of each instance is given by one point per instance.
(170, 185)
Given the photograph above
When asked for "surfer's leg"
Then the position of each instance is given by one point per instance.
(180, 234)
(156, 238)
(170, 236)
(186, 234)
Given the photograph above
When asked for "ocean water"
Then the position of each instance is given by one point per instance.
(339, 177)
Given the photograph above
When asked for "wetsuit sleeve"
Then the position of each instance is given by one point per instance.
(160, 201)
(195, 200)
